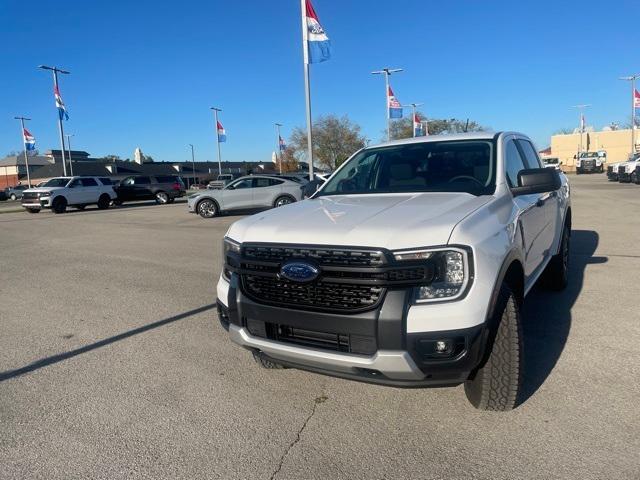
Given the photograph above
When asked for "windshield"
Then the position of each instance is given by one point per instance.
(589, 154)
(56, 182)
(453, 166)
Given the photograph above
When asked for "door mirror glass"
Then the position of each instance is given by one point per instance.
(537, 180)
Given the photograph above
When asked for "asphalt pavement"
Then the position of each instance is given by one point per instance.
(113, 365)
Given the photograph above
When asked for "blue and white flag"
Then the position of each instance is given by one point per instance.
(318, 44)
(62, 110)
(222, 134)
(29, 140)
(395, 109)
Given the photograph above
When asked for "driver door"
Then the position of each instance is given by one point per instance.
(238, 195)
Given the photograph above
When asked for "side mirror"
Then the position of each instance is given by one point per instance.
(537, 180)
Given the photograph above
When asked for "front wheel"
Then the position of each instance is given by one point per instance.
(162, 198)
(635, 179)
(207, 208)
(104, 201)
(283, 200)
(59, 205)
(496, 384)
(13, 197)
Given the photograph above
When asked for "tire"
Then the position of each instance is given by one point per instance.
(162, 198)
(496, 384)
(283, 200)
(59, 205)
(33, 210)
(556, 275)
(13, 197)
(578, 171)
(266, 363)
(104, 201)
(81, 207)
(635, 179)
(207, 208)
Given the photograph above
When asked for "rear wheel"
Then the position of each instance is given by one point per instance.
(496, 384)
(104, 201)
(283, 200)
(162, 197)
(207, 208)
(59, 205)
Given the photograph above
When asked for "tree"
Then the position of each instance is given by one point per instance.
(404, 128)
(289, 161)
(563, 131)
(334, 140)
(20, 153)
(111, 157)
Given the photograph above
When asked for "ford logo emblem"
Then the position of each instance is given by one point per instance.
(299, 272)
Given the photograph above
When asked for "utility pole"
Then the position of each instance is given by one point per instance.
(632, 79)
(278, 151)
(215, 116)
(413, 116)
(193, 160)
(69, 149)
(55, 71)
(24, 145)
(387, 72)
(581, 108)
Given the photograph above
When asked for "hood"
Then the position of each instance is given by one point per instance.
(391, 221)
(43, 189)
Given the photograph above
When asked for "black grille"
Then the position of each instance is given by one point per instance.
(30, 196)
(321, 295)
(322, 256)
(588, 163)
(610, 169)
(621, 169)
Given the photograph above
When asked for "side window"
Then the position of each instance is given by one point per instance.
(127, 181)
(75, 183)
(142, 181)
(274, 181)
(261, 182)
(513, 163)
(89, 182)
(530, 154)
(105, 181)
(245, 183)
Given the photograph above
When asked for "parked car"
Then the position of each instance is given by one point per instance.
(408, 268)
(3, 196)
(627, 170)
(221, 181)
(253, 191)
(15, 192)
(551, 162)
(161, 188)
(591, 162)
(62, 192)
(612, 171)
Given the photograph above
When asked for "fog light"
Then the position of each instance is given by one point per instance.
(441, 346)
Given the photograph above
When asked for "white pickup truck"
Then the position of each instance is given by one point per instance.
(591, 162)
(409, 267)
(62, 192)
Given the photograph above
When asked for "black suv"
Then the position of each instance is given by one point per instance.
(161, 188)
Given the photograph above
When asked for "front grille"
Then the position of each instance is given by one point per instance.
(30, 196)
(609, 169)
(321, 295)
(337, 342)
(621, 170)
(323, 256)
(588, 164)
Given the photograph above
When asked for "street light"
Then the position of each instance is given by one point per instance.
(278, 152)
(193, 161)
(215, 115)
(581, 108)
(55, 71)
(387, 72)
(24, 146)
(69, 147)
(632, 79)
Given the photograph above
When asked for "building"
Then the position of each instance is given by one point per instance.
(617, 144)
(13, 170)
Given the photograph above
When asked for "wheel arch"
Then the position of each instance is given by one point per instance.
(217, 204)
(283, 194)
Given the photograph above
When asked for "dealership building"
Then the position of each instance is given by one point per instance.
(617, 144)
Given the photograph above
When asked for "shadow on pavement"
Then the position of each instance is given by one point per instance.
(547, 315)
(43, 362)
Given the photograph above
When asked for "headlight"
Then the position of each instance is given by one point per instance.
(45, 194)
(229, 245)
(451, 272)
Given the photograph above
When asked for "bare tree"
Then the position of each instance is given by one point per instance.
(404, 128)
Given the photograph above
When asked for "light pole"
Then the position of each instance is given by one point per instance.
(278, 152)
(413, 115)
(632, 79)
(55, 71)
(69, 149)
(24, 146)
(581, 108)
(387, 72)
(215, 116)
(193, 160)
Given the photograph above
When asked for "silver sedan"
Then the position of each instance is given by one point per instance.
(254, 191)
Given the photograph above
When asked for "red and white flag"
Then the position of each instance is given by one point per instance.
(636, 98)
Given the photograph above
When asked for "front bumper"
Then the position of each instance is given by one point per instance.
(624, 177)
(380, 349)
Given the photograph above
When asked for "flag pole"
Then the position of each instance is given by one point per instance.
(307, 89)
(387, 72)
(24, 144)
(55, 71)
(215, 114)
(278, 151)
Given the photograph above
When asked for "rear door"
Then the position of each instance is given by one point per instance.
(90, 190)
(265, 191)
(238, 194)
(142, 188)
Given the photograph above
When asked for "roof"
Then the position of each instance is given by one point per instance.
(482, 135)
(80, 168)
(13, 160)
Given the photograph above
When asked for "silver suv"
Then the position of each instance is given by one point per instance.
(409, 267)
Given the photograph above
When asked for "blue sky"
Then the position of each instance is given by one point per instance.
(145, 73)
